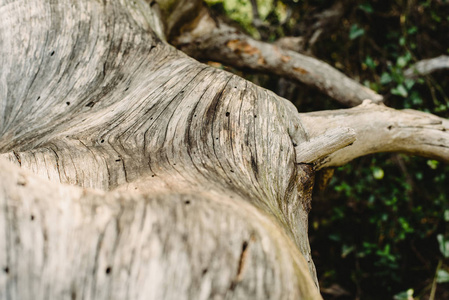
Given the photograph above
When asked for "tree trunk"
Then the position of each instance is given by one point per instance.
(197, 191)
(136, 172)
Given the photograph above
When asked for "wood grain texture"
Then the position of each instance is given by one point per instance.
(65, 242)
(198, 194)
(379, 128)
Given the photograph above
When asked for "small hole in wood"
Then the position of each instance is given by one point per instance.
(204, 271)
(38, 98)
(187, 202)
(295, 145)
(102, 141)
(52, 53)
(90, 104)
(126, 89)
(117, 159)
(153, 175)
(68, 103)
(255, 116)
(390, 127)
(32, 217)
(108, 270)
(227, 114)
(6, 270)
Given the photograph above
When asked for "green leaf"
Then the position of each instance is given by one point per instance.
(412, 30)
(419, 175)
(406, 295)
(404, 59)
(416, 98)
(334, 237)
(370, 63)
(402, 62)
(366, 7)
(400, 91)
(378, 173)
(409, 83)
(442, 276)
(345, 250)
(385, 78)
(444, 245)
(433, 164)
(355, 31)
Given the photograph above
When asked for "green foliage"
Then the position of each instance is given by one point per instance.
(355, 31)
(374, 221)
(406, 295)
(442, 276)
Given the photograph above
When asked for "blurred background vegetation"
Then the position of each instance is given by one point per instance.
(380, 229)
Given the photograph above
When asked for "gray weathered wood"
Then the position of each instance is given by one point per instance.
(136, 172)
(197, 191)
(379, 128)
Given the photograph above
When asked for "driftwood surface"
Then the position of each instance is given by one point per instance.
(186, 175)
(131, 171)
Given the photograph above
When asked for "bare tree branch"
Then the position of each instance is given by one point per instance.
(382, 129)
(427, 66)
(207, 41)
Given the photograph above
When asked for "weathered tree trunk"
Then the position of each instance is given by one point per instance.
(198, 192)
(157, 177)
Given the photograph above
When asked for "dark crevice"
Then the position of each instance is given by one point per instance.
(436, 145)
(241, 264)
(57, 163)
(17, 157)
